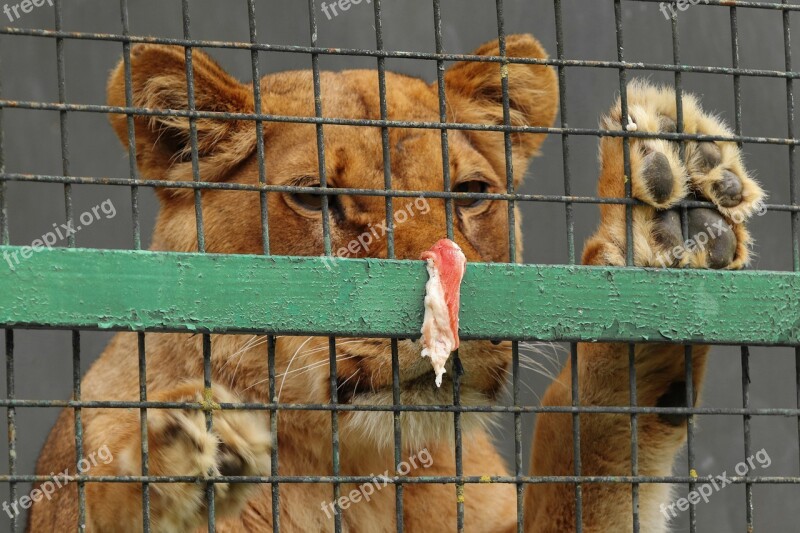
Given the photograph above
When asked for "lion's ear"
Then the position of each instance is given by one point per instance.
(475, 95)
(163, 143)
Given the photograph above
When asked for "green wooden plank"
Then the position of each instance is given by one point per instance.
(97, 289)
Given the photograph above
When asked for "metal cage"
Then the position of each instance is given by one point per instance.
(39, 296)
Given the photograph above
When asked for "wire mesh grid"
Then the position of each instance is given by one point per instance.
(262, 116)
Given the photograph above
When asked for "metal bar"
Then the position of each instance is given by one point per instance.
(129, 102)
(11, 412)
(562, 92)
(794, 187)
(400, 54)
(377, 123)
(421, 480)
(390, 253)
(501, 39)
(11, 419)
(98, 404)
(337, 511)
(323, 174)
(191, 106)
(201, 241)
(624, 118)
(78, 424)
(457, 369)
(385, 143)
(273, 422)
(745, 351)
(342, 191)
(262, 169)
(746, 427)
(145, 449)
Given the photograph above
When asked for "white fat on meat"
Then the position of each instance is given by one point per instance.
(437, 335)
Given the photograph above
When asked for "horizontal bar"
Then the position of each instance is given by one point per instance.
(160, 291)
(402, 54)
(441, 408)
(377, 123)
(352, 191)
(770, 480)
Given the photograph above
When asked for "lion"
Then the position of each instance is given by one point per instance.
(239, 442)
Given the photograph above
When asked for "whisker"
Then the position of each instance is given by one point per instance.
(247, 345)
(290, 365)
(318, 364)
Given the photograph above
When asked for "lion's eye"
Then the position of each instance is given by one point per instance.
(472, 186)
(312, 202)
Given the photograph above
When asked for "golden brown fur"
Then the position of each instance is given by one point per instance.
(239, 443)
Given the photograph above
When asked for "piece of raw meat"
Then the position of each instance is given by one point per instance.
(446, 265)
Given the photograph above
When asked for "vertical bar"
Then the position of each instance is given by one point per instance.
(634, 437)
(137, 245)
(210, 487)
(576, 435)
(390, 254)
(688, 350)
(440, 70)
(11, 412)
(262, 169)
(737, 89)
(793, 185)
(626, 151)
(458, 370)
(629, 253)
(746, 424)
(501, 39)
(143, 425)
(76, 395)
(198, 193)
(62, 99)
(745, 351)
(264, 201)
(512, 254)
(11, 415)
(573, 347)
(76, 339)
(201, 242)
(562, 92)
(387, 162)
(323, 176)
(312, 18)
(4, 232)
(273, 423)
(132, 170)
(398, 435)
(517, 436)
(335, 433)
(690, 425)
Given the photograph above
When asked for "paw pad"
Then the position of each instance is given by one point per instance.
(657, 175)
(728, 189)
(720, 241)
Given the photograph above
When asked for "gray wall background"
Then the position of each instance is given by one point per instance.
(28, 72)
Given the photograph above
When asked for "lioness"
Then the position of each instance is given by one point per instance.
(239, 443)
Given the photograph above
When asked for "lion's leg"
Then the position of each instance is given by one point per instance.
(661, 176)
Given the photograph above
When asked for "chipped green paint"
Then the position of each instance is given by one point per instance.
(126, 290)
